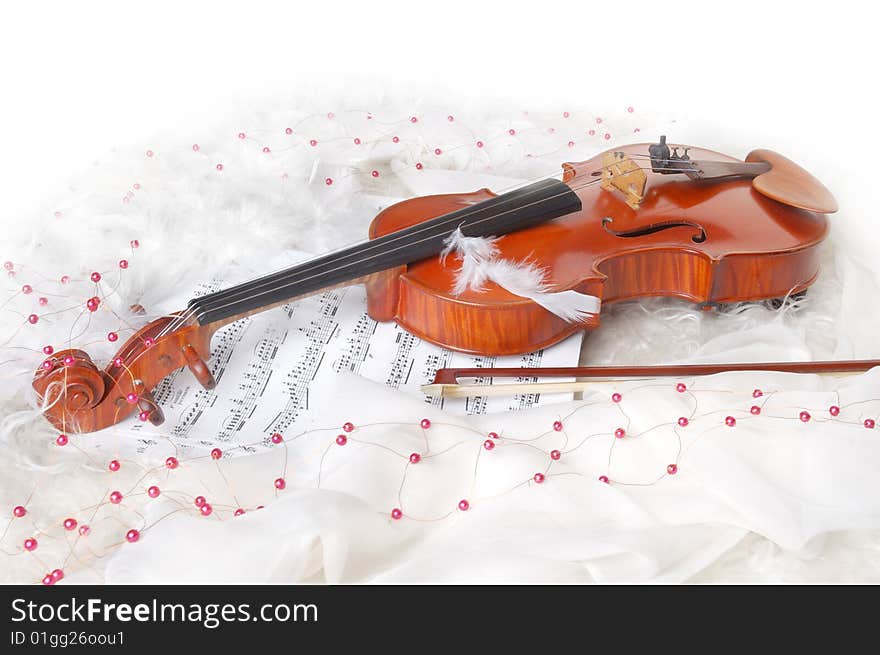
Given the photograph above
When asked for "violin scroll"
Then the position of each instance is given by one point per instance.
(78, 397)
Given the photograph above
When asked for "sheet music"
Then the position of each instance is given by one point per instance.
(269, 367)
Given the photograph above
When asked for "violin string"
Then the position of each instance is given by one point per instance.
(445, 225)
(239, 296)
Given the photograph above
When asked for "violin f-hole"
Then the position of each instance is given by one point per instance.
(645, 230)
(198, 367)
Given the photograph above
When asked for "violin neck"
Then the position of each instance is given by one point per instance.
(522, 208)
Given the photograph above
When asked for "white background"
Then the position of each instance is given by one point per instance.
(799, 77)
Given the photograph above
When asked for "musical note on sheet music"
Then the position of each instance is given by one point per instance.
(268, 367)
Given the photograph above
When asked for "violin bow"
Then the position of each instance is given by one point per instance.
(447, 381)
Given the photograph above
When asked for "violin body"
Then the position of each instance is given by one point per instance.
(708, 242)
(612, 229)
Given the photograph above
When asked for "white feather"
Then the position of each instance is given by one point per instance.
(480, 264)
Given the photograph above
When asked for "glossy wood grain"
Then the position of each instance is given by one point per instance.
(755, 248)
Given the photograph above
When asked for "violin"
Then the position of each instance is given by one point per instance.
(640, 220)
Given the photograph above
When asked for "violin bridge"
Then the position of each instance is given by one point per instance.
(620, 173)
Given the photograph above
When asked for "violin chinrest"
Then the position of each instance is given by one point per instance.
(788, 183)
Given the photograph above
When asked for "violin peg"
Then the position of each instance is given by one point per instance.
(147, 403)
(198, 367)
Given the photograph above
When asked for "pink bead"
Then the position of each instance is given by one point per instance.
(136, 186)
(65, 279)
(557, 426)
(95, 277)
(131, 398)
(328, 181)
(313, 142)
(565, 114)
(30, 544)
(288, 130)
(834, 410)
(604, 479)
(48, 365)
(396, 514)
(57, 574)
(607, 136)
(571, 144)
(240, 511)
(112, 336)
(341, 440)
(480, 144)
(219, 167)
(539, 478)
(216, 453)
(84, 530)
(241, 135)
(153, 491)
(48, 350)
(277, 438)
(118, 362)
(132, 536)
(266, 150)
(206, 509)
(680, 387)
(8, 266)
(730, 421)
(683, 421)
(616, 397)
(357, 141)
(419, 166)
(869, 423)
(116, 497)
(280, 483)
(144, 416)
(415, 458)
(754, 409)
(413, 119)
(70, 524)
(757, 393)
(48, 580)
(555, 455)
(195, 147)
(425, 423)
(463, 505)
(68, 360)
(62, 440)
(330, 115)
(43, 301)
(437, 151)
(347, 427)
(450, 118)
(511, 132)
(805, 417)
(598, 121)
(395, 139)
(672, 469)
(488, 444)
(33, 318)
(123, 263)
(198, 501)
(630, 110)
(149, 153)
(620, 433)
(18, 511)
(27, 288)
(134, 243)
(92, 304)
(149, 343)
(374, 173)
(493, 435)
(113, 465)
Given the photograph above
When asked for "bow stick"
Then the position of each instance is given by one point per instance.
(446, 382)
